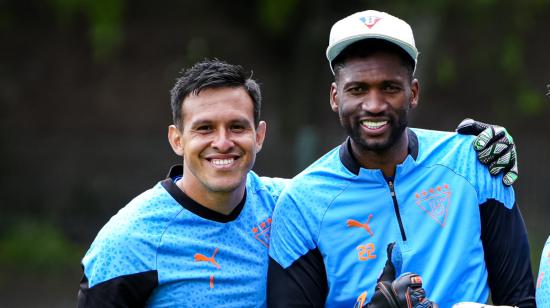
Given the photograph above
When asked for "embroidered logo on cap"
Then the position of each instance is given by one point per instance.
(370, 21)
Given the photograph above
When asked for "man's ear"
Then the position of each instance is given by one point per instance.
(260, 135)
(334, 97)
(175, 139)
(415, 93)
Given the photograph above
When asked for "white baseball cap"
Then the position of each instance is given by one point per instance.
(370, 24)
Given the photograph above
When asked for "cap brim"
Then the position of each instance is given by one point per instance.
(334, 50)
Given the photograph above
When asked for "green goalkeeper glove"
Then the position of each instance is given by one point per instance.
(494, 146)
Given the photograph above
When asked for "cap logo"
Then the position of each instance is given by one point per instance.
(370, 21)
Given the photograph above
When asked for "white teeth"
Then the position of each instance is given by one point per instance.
(222, 162)
(373, 124)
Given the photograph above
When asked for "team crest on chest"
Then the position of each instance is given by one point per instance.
(435, 202)
(261, 232)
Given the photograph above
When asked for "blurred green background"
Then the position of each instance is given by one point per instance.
(84, 105)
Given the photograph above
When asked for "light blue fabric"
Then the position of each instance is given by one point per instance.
(543, 281)
(350, 218)
(154, 232)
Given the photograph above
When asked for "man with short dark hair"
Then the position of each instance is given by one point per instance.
(452, 222)
(200, 237)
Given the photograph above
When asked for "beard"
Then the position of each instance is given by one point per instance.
(398, 123)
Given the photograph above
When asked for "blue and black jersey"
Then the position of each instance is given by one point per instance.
(164, 249)
(455, 224)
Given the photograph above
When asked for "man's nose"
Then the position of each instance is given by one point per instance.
(374, 102)
(222, 141)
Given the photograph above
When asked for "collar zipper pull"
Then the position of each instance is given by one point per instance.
(390, 183)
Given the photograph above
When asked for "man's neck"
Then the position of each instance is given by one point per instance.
(221, 202)
(385, 160)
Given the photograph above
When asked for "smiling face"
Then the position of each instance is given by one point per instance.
(373, 97)
(218, 140)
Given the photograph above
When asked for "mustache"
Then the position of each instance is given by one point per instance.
(231, 152)
(368, 114)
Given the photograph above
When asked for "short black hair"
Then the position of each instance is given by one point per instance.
(367, 47)
(209, 74)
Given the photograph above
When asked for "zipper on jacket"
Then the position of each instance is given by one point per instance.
(396, 208)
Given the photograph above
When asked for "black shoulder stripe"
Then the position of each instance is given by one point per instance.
(124, 291)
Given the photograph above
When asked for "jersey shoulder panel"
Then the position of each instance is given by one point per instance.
(302, 205)
(128, 243)
(263, 193)
(271, 185)
(455, 152)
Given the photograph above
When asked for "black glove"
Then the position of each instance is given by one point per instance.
(494, 146)
(403, 292)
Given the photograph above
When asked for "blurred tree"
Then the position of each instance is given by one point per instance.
(105, 18)
(274, 15)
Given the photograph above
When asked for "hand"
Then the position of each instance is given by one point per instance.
(403, 292)
(494, 146)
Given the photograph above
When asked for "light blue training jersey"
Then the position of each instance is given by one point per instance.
(431, 209)
(165, 250)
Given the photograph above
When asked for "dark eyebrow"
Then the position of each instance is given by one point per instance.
(391, 82)
(200, 122)
(242, 121)
(354, 83)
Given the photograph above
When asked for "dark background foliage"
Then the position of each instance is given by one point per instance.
(84, 104)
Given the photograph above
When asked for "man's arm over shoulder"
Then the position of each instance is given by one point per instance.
(507, 257)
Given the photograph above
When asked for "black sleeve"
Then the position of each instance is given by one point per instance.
(303, 284)
(507, 256)
(124, 291)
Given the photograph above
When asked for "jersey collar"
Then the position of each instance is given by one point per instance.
(175, 173)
